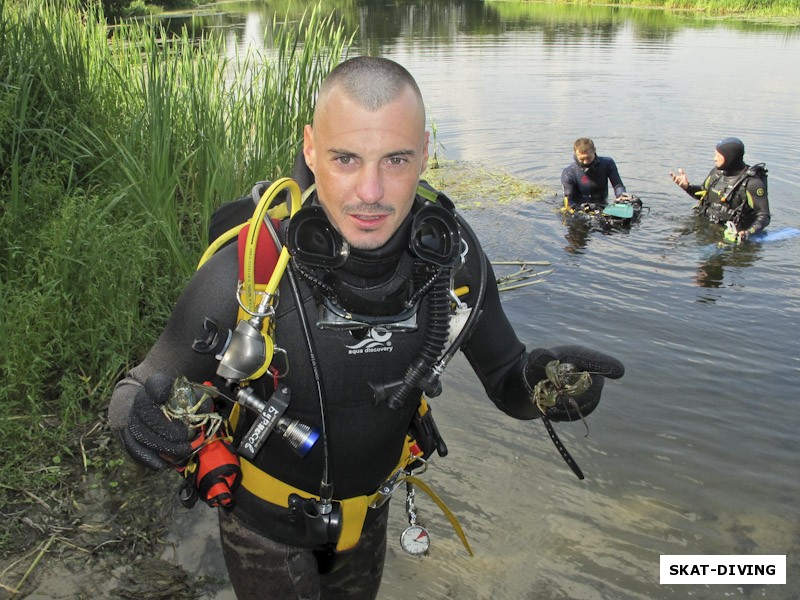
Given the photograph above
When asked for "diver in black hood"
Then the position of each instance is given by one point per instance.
(733, 193)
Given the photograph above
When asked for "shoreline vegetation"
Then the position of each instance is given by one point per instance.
(115, 147)
(115, 9)
(116, 144)
(738, 8)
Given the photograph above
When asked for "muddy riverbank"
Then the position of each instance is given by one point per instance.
(100, 532)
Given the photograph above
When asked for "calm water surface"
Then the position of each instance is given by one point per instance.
(695, 451)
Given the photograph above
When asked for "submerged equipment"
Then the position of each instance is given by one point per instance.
(621, 213)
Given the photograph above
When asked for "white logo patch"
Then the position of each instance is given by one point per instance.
(376, 340)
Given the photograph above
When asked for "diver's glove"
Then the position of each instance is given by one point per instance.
(565, 394)
(150, 437)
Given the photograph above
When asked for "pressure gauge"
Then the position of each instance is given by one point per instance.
(415, 540)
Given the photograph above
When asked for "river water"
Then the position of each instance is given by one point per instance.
(695, 450)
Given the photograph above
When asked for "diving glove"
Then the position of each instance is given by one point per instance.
(153, 439)
(567, 393)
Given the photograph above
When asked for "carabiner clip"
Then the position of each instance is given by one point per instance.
(388, 487)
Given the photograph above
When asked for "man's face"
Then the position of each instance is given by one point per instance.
(585, 158)
(366, 164)
(719, 160)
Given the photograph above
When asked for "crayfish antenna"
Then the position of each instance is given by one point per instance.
(580, 414)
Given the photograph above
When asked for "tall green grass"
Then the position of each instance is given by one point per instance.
(115, 147)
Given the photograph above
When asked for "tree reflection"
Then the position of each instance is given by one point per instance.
(378, 26)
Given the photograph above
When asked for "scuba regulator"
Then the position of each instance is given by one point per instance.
(246, 352)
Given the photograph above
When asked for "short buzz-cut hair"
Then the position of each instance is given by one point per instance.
(371, 81)
(583, 145)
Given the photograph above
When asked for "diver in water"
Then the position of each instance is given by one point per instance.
(585, 180)
(733, 194)
(384, 283)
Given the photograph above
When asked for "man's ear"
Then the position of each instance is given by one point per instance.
(308, 146)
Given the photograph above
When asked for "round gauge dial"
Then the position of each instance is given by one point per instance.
(415, 540)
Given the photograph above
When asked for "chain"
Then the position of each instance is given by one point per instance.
(410, 508)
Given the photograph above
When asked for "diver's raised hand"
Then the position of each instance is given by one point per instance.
(680, 179)
(566, 381)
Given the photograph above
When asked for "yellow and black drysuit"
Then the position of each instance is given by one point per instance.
(735, 192)
(365, 439)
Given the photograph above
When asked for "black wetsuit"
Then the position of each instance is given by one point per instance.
(365, 439)
(589, 185)
(747, 208)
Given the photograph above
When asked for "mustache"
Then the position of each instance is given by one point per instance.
(367, 209)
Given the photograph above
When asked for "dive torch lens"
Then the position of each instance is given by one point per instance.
(300, 437)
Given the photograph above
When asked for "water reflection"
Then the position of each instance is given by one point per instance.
(378, 26)
(714, 255)
(579, 229)
(577, 234)
(711, 272)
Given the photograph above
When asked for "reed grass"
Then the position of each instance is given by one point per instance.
(115, 147)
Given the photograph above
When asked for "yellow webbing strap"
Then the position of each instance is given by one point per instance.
(354, 510)
(275, 491)
(443, 507)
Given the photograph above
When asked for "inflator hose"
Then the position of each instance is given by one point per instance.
(435, 339)
(478, 304)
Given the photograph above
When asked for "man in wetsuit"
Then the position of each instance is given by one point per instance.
(364, 313)
(585, 181)
(733, 192)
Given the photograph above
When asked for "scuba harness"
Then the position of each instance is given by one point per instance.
(722, 212)
(248, 352)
